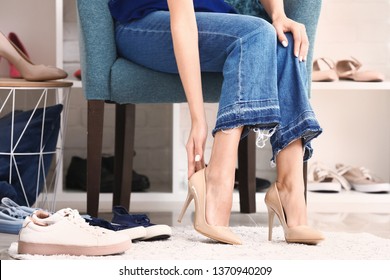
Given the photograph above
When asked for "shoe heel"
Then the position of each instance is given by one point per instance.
(187, 202)
(271, 215)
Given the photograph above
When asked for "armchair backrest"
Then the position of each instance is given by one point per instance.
(97, 47)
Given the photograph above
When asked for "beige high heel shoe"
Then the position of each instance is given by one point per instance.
(27, 69)
(197, 192)
(324, 70)
(298, 234)
(349, 69)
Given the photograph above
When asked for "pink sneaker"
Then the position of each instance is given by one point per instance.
(67, 233)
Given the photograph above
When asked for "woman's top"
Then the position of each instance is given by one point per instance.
(126, 10)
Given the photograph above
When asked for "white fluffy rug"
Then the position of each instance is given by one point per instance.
(187, 244)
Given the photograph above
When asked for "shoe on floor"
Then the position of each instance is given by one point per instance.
(67, 233)
(135, 233)
(12, 215)
(153, 231)
(361, 179)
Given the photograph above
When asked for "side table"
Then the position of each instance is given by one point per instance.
(33, 119)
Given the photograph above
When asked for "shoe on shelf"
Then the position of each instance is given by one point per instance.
(362, 180)
(13, 71)
(66, 233)
(135, 233)
(322, 178)
(77, 74)
(76, 178)
(153, 232)
(350, 69)
(298, 234)
(261, 184)
(28, 70)
(197, 192)
(324, 70)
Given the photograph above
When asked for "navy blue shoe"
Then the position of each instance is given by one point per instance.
(153, 231)
(136, 233)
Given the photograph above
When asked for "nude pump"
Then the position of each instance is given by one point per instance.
(197, 192)
(298, 234)
(27, 69)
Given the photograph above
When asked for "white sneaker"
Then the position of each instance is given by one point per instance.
(362, 180)
(321, 178)
(66, 232)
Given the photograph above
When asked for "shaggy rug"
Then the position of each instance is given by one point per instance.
(186, 244)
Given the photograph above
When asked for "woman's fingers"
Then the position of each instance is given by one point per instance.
(298, 30)
(301, 41)
(195, 157)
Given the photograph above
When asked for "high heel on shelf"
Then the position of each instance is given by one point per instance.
(298, 234)
(349, 69)
(197, 192)
(13, 71)
(22, 63)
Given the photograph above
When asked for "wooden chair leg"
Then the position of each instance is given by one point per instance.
(94, 154)
(305, 178)
(247, 174)
(124, 153)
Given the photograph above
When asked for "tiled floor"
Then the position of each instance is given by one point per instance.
(374, 223)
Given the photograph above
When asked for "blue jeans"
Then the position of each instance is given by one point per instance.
(264, 87)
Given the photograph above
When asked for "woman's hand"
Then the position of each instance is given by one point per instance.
(195, 147)
(185, 44)
(282, 25)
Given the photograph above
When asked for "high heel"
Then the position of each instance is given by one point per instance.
(13, 71)
(197, 192)
(297, 234)
(27, 69)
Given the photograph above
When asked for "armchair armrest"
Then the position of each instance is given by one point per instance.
(97, 47)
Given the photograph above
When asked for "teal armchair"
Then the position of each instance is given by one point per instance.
(109, 78)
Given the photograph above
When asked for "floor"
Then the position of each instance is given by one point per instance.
(356, 221)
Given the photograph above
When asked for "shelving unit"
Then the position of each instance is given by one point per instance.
(351, 85)
(345, 201)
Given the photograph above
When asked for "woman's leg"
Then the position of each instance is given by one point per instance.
(220, 175)
(291, 141)
(289, 164)
(244, 49)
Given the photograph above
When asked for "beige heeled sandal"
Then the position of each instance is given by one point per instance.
(197, 192)
(349, 69)
(27, 69)
(324, 70)
(298, 234)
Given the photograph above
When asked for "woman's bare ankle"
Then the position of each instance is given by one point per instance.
(219, 196)
(293, 201)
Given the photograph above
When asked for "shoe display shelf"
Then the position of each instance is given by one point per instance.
(375, 93)
(33, 125)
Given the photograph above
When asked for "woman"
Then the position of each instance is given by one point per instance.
(264, 89)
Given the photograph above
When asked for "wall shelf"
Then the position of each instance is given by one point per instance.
(350, 85)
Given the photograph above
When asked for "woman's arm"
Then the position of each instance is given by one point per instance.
(185, 42)
(282, 24)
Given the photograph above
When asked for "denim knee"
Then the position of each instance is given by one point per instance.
(249, 94)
